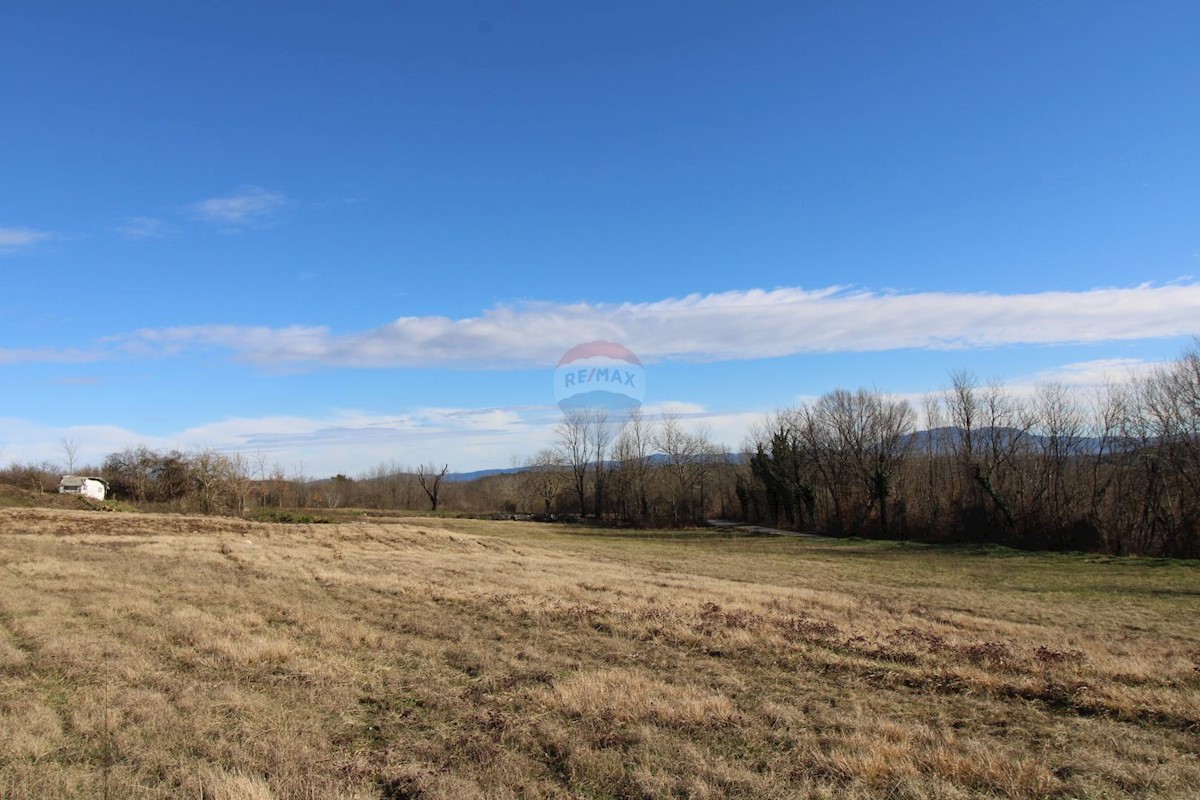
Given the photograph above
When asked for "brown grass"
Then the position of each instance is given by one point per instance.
(168, 656)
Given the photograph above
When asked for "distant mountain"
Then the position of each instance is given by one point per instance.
(926, 441)
(950, 437)
(654, 459)
(462, 477)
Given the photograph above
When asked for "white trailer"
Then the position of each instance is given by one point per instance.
(95, 488)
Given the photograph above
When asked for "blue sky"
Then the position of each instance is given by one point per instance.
(349, 233)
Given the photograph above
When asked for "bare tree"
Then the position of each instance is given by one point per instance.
(545, 475)
(937, 444)
(240, 481)
(602, 436)
(338, 491)
(992, 429)
(298, 483)
(1007, 422)
(962, 406)
(705, 469)
(673, 442)
(819, 450)
(1059, 429)
(690, 458)
(632, 454)
(574, 445)
(889, 440)
(431, 481)
(259, 483)
(393, 485)
(864, 440)
(278, 481)
(210, 475)
(70, 448)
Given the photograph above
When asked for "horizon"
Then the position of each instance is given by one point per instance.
(345, 239)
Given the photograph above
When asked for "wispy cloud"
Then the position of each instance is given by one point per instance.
(1086, 381)
(351, 441)
(342, 441)
(736, 325)
(138, 228)
(49, 355)
(13, 240)
(1097, 372)
(250, 206)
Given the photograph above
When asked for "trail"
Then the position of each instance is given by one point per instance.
(759, 529)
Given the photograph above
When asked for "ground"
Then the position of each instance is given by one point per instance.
(169, 656)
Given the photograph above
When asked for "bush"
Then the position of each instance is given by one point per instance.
(288, 517)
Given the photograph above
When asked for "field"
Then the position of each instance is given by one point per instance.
(169, 656)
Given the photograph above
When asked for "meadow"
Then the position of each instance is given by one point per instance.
(163, 656)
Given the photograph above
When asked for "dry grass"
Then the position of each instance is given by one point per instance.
(167, 656)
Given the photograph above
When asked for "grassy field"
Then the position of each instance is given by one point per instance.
(169, 656)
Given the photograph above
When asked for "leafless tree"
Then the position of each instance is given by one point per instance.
(298, 484)
(338, 491)
(240, 481)
(936, 444)
(545, 475)
(574, 444)
(69, 448)
(260, 485)
(210, 474)
(431, 481)
(1054, 495)
(602, 429)
(992, 429)
(632, 454)
(679, 449)
(861, 439)
(818, 447)
(277, 480)
(890, 425)
(690, 459)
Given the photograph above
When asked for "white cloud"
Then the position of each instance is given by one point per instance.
(1084, 380)
(674, 407)
(43, 355)
(345, 441)
(14, 239)
(1096, 373)
(25, 441)
(733, 325)
(138, 228)
(250, 206)
(350, 441)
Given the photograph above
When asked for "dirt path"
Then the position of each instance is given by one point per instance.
(759, 529)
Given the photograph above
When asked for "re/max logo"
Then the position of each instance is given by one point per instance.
(599, 375)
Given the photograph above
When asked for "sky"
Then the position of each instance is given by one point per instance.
(347, 234)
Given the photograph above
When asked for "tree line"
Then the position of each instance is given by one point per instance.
(1117, 471)
(633, 470)
(212, 481)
